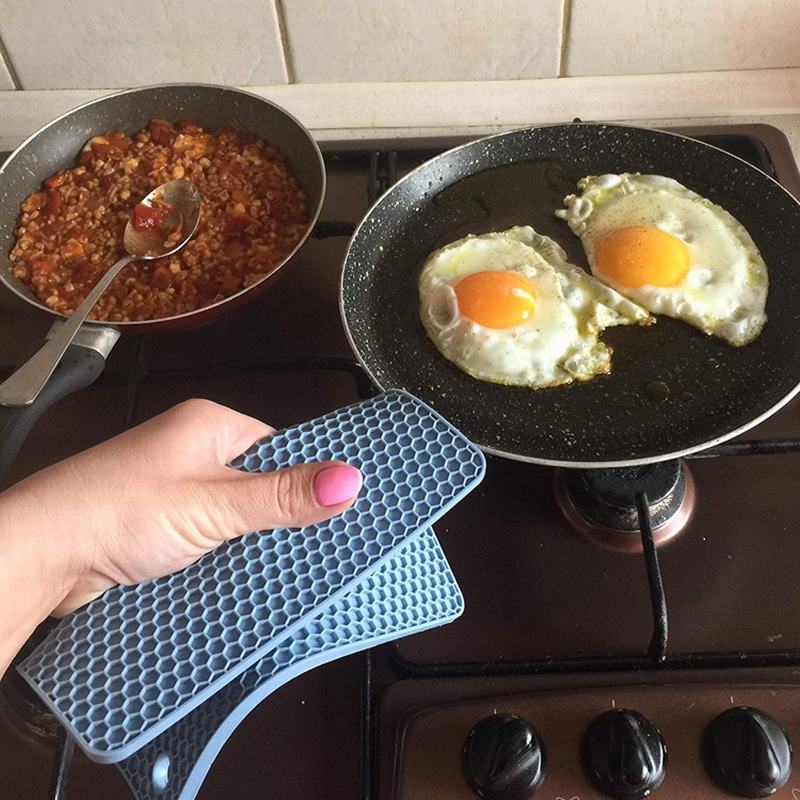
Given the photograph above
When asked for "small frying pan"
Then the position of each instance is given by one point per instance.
(56, 146)
(672, 390)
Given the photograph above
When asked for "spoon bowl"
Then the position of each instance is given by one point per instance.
(178, 203)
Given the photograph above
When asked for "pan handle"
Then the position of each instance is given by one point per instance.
(25, 384)
(81, 365)
(325, 229)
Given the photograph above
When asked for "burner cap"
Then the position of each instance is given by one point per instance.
(601, 503)
(615, 489)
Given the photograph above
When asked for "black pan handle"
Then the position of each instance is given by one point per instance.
(325, 229)
(79, 367)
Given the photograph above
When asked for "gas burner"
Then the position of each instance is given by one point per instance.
(19, 704)
(601, 503)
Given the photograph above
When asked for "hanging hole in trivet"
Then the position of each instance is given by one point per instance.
(160, 773)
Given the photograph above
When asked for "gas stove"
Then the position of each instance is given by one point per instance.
(610, 617)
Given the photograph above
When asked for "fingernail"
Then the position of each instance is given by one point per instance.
(336, 484)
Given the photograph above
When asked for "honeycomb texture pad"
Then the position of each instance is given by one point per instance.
(414, 591)
(132, 663)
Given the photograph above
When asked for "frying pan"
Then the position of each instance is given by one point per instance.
(56, 146)
(672, 390)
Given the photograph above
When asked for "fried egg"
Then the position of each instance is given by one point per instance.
(673, 251)
(508, 308)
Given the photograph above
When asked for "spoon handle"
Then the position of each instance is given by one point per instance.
(23, 387)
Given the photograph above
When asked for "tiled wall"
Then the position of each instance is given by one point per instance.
(54, 44)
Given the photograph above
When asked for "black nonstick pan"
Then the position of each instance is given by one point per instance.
(672, 389)
(56, 146)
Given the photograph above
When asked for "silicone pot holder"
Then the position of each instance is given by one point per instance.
(131, 664)
(415, 590)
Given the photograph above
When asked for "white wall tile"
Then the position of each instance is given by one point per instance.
(422, 40)
(626, 37)
(108, 44)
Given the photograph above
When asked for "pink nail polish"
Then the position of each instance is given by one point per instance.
(336, 484)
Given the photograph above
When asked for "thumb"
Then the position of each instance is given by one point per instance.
(288, 498)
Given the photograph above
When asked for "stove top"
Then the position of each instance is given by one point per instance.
(550, 614)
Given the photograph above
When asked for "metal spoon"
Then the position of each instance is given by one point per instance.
(23, 387)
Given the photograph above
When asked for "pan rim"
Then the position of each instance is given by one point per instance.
(131, 325)
(628, 462)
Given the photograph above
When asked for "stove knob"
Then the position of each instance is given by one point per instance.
(503, 758)
(623, 754)
(747, 753)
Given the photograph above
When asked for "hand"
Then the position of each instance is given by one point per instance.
(149, 502)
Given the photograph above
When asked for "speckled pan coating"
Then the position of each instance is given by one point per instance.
(412, 592)
(672, 390)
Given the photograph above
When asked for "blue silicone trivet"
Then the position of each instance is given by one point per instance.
(414, 591)
(131, 664)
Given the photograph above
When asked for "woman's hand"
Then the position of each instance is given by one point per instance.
(144, 504)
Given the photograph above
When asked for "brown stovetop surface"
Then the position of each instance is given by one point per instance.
(533, 588)
(537, 590)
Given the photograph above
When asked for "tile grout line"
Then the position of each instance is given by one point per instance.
(6, 58)
(284, 34)
(566, 19)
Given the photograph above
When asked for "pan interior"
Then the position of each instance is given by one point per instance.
(57, 145)
(672, 388)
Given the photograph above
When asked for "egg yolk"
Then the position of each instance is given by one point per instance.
(495, 299)
(640, 255)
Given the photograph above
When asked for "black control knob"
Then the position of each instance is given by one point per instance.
(503, 758)
(623, 754)
(747, 753)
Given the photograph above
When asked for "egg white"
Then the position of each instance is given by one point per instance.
(557, 345)
(724, 293)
